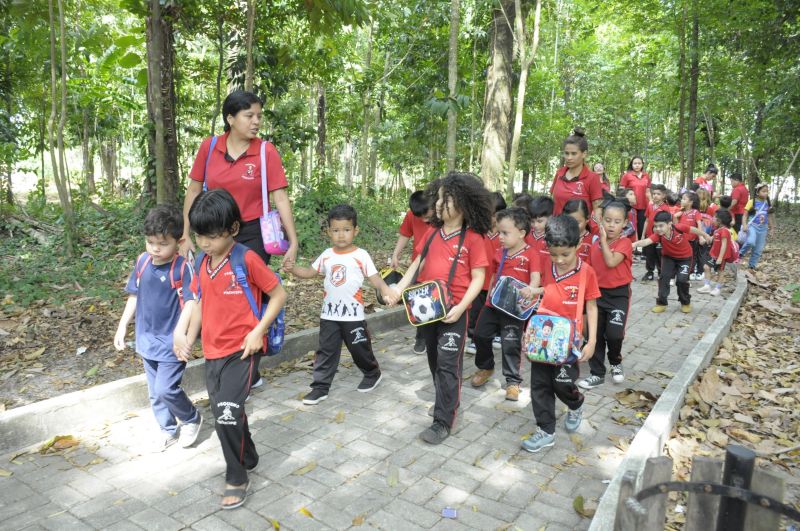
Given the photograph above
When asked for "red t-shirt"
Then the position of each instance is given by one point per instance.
(639, 185)
(520, 265)
(227, 317)
(415, 228)
(677, 246)
(605, 185)
(742, 196)
(633, 218)
(618, 276)
(540, 246)
(691, 217)
(721, 234)
(651, 212)
(242, 177)
(586, 187)
(564, 300)
(706, 185)
(441, 254)
(707, 217)
(585, 247)
(492, 245)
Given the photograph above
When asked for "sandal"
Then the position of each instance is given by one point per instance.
(240, 492)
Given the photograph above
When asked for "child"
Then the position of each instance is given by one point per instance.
(522, 263)
(612, 259)
(721, 252)
(689, 214)
(739, 198)
(492, 245)
(673, 200)
(653, 253)
(462, 204)
(157, 304)
(413, 227)
(344, 267)
(540, 209)
(231, 332)
(676, 258)
(578, 210)
(561, 288)
(725, 202)
(705, 181)
(758, 220)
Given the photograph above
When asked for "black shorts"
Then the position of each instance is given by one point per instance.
(715, 267)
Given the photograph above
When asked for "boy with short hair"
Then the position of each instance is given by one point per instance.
(344, 268)
(676, 258)
(414, 226)
(652, 254)
(161, 288)
(739, 198)
(540, 209)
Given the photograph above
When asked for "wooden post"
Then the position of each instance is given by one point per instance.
(628, 518)
(759, 518)
(656, 470)
(702, 509)
(738, 471)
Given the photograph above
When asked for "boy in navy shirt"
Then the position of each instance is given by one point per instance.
(161, 287)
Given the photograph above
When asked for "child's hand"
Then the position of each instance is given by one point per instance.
(603, 235)
(253, 342)
(394, 262)
(454, 314)
(587, 352)
(391, 297)
(119, 339)
(181, 347)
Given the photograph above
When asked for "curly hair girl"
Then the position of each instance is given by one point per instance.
(465, 194)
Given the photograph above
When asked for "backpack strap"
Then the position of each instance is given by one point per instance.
(208, 158)
(176, 276)
(141, 264)
(198, 264)
(581, 295)
(240, 272)
(264, 192)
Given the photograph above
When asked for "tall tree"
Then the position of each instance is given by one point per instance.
(365, 125)
(685, 177)
(496, 128)
(452, 80)
(694, 75)
(251, 21)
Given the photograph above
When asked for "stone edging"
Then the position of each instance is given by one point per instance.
(28, 425)
(652, 436)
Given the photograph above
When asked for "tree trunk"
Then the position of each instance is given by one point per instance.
(474, 88)
(694, 74)
(526, 175)
(56, 139)
(88, 164)
(108, 163)
(527, 53)
(496, 131)
(348, 163)
(220, 66)
(251, 20)
(321, 132)
(452, 80)
(6, 88)
(366, 101)
(685, 178)
(755, 141)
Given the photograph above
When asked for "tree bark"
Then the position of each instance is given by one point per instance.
(108, 163)
(251, 20)
(694, 74)
(88, 164)
(685, 178)
(527, 53)
(155, 53)
(496, 130)
(220, 66)
(452, 80)
(366, 102)
(321, 125)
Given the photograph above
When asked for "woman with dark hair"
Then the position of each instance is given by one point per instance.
(574, 180)
(600, 170)
(638, 180)
(234, 164)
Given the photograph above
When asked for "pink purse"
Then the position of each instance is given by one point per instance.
(271, 229)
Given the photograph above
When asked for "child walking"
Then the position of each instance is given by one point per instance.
(562, 283)
(577, 209)
(612, 260)
(518, 260)
(540, 209)
(462, 205)
(758, 221)
(344, 268)
(652, 254)
(676, 259)
(231, 334)
(160, 284)
(721, 252)
(689, 214)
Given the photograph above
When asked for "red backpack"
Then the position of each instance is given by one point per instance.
(175, 273)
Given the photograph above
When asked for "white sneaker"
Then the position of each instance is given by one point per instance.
(258, 383)
(189, 433)
(705, 288)
(672, 282)
(496, 343)
(617, 375)
(470, 348)
(714, 292)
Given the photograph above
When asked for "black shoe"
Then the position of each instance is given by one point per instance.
(368, 383)
(315, 397)
(648, 276)
(419, 346)
(437, 433)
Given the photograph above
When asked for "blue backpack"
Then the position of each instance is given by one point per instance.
(276, 332)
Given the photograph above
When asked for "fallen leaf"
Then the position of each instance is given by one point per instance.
(306, 512)
(305, 469)
(358, 520)
(59, 442)
(709, 387)
(32, 355)
(5, 473)
(275, 525)
(585, 508)
(717, 437)
(744, 435)
(339, 417)
(91, 373)
(393, 476)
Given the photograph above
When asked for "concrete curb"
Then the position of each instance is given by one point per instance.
(651, 437)
(28, 425)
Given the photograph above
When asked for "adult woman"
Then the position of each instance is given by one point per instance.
(574, 180)
(235, 165)
(600, 170)
(636, 179)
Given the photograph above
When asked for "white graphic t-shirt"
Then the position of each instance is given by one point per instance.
(344, 275)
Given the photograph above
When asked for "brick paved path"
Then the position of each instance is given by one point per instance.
(355, 459)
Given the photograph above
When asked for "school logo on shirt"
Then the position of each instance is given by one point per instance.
(338, 275)
(578, 190)
(249, 171)
(572, 292)
(233, 287)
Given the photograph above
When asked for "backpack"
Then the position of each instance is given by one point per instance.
(276, 332)
(175, 273)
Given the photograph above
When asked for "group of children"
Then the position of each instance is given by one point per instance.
(463, 236)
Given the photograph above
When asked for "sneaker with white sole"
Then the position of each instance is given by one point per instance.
(714, 292)
(573, 420)
(538, 441)
(419, 346)
(496, 342)
(592, 381)
(368, 383)
(258, 383)
(189, 432)
(705, 288)
(315, 397)
(617, 374)
(470, 348)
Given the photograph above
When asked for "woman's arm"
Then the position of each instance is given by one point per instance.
(281, 200)
(192, 191)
